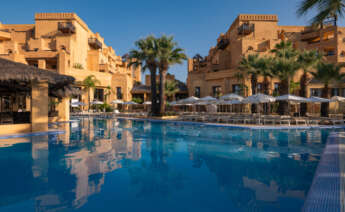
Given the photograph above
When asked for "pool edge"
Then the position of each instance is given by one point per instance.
(327, 189)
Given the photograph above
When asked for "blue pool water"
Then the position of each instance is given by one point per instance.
(124, 165)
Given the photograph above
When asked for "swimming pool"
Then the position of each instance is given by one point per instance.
(132, 165)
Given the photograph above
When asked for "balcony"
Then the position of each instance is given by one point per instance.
(5, 34)
(66, 27)
(95, 43)
(245, 29)
(106, 68)
(223, 43)
(310, 35)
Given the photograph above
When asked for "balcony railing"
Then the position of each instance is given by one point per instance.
(223, 43)
(66, 27)
(246, 29)
(95, 43)
(310, 35)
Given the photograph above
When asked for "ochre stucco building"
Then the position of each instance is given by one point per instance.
(258, 34)
(63, 43)
(143, 92)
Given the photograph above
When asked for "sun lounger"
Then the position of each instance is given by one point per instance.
(313, 121)
(299, 121)
(336, 121)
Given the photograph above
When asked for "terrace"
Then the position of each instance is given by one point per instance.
(245, 29)
(66, 27)
(95, 43)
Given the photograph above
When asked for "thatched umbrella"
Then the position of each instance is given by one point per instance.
(14, 75)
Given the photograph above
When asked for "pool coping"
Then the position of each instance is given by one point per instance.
(327, 190)
(251, 127)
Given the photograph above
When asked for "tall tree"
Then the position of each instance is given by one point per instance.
(284, 66)
(145, 56)
(326, 73)
(171, 88)
(108, 92)
(240, 77)
(308, 61)
(90, 82)
(168, 54)
(325, 9)
(264, 70)
(249, 65)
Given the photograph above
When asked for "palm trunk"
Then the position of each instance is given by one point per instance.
(254, 82)
(154, 99)
(162, 80)
(284, 89)
(303, 93)
(266, 86)
(266, 91)
(325, 105)
(88, 97)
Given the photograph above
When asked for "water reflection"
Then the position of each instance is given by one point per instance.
(62, 171)
(233, 169)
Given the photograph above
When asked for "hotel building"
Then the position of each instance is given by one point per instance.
(63, 43)
(143, 92)
(217, 73)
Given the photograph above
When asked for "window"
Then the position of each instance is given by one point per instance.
(259, 87)
(236, 88)
(216, 91)
(335, 92)
(315, 92)
(99, 94)
(119, 92)
(197, 92)
(343, 92)
(276, 86)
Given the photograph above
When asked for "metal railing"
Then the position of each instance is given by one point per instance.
(66, 27)
(95, 43)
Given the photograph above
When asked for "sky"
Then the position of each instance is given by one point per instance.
(195, 24)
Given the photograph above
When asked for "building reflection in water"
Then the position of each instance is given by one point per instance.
(274, 175)
(62, 171)
(85, 153)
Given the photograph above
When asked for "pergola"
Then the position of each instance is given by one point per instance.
(35, 85)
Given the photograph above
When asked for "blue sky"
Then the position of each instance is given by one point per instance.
(195, 24)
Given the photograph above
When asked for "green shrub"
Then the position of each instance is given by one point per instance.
(78, 66)
(106, 107)
(137, 100)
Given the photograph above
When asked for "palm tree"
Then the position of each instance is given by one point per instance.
(326, 73)
(325, 9)
(108, 92)
(264, 69)
(284, 66)
(308, 61)
(241, 78)
(249, 65)
(90, 82)
(145, 56)
(168, 54)
(171, 88)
